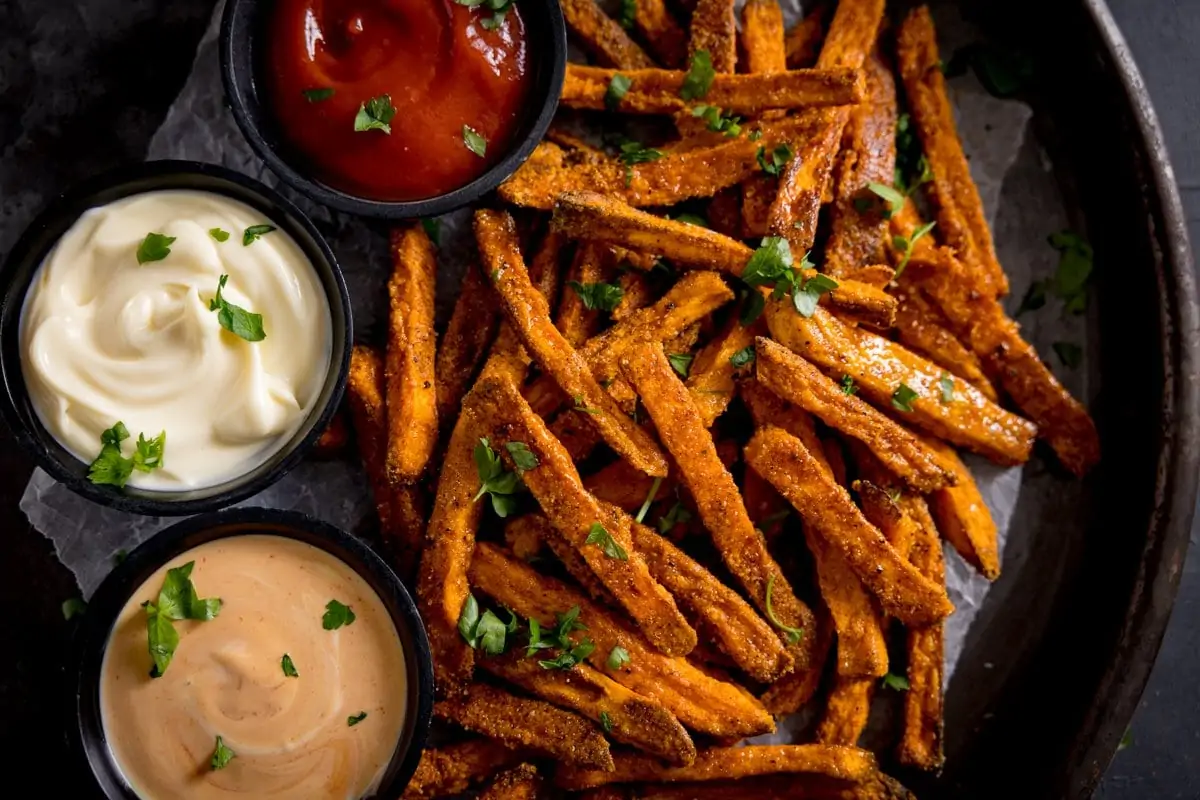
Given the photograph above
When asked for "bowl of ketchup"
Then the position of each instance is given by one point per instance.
(393, 108)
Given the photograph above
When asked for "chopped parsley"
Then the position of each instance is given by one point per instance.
(618, 87)
(681, 362)
(617, 658)
(221, 756)
(699, 76)
(628, 15)
(288, 666)
(641, 515)
(570, 652)
(793, 634)
(598, 296)
(906, 244)
(494, 480)
(336, 615)
(177, 600)
(717, 121)
(633, 152)
(743, 357)
(676, 515)
(234, 318)
(808, 294)
(219, 234)
(111, 468)
(946, 388)
(357, 718)
(522, 456)
(318, 95)
(848, 386)
(254, 233)
(895, 682)
(155, 247)
(474, 141)
(895, 200)
(73, 607)
(903, 398)
(499, 9)
(605, 722)
(774, 163)
(375, 115)
(599, 536)
(692, 219)
(433, 229)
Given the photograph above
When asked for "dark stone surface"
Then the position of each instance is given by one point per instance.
(83, 90)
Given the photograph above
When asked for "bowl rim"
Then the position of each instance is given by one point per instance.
(240, 97)
(91, 638)
(71, 204)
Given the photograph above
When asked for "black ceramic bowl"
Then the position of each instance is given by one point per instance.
(85, 725)
(23, 262)
(242, 33)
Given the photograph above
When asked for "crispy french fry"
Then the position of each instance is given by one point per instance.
(878, 275)
(791, 692)
(334, 438)
(799, 382)
(455, 768)
(846, 711)
(861, 646)
(636, 293)
(964, 519)
(861, 302)
(960, 217)
(803, 40)
(828, 509)
(656, 91)
(714, 30)
(602, 36)
(720, 504)
(731, 763)
(701, 703)
(522, 782)
(886, 514)
(921, 740)
(771, 787)
(412, 344)
(663, 35)
(529, 316)
(526, 723)
(801, 187)
(922, 328)
(593, 264)
(763, 36)
(768, 408)
(878, 367)
(470, 332)
(711, 380)
(633, 719)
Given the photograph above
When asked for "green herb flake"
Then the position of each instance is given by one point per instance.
(375, 115)
(906, 246)
(1069, 353)
(617, 658)
(495, 481)
(73, 607)
(641, 515)
(318, 95)
(433, 229)
(742, 358)
(676, 515)
(581, 405)
(681, 363)
(770, 263)
(895, 199)
(903, 398)
(808, 294)
(598, 296)
(289, 667)
(717, 121)
(599, 536)
(631, 153)
(618, 87)
(474, 141)
(522, 456)
(1075, 264)
(848, 386)
(946, 388)
(793, 634)
(605, 722)
(897, 683)
(336, 615)
(628, 15)
(699, 77)
(111, 468)
(221, 756)
(468, 618)
(155, 247)
(692, 219)
(219, 234)
(772, 164)
(234, 318)
(357, 718)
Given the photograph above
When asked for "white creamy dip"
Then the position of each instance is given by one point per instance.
(105, 338)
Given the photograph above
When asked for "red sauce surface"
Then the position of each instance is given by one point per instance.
(441, 68)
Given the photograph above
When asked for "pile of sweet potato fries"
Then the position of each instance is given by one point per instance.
(659, 487)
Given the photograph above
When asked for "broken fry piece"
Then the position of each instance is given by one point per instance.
(714, 31)
(602, 36)
(846, 711)
(711, 380)
(468, 335)
(827, 507)
(522, 782)
(763, 37)
(455, 768)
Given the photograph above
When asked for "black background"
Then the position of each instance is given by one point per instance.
(81, 91)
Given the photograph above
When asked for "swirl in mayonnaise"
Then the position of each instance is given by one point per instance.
(106, 339)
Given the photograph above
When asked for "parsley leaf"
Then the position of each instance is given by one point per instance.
(618, 87)
(178, 599)
(468, 618)
(633, 152)
(692, 219)
(155, 247)
(946, 387)
(628, 15)
(895, 682)
(73, 608)
(522, 456)
(494, 480)
(793, 634)
(113, 469)
(907, 244)
(743, 357)
(599, 536)
(580, 405)
(641, 515)
(912, 167)
(848, 386)
(894, 199)
(605, 722)
(149, 453)
(357, 718)
(903, 398)
(433, 229)
(676, 515)
(219, 234)
(336, 615)
(318, 95)
(221, 756)
(807, 295)
(779, 159)
(536, 642)
(598, 296)
(681, 362)
(717, 121)
(771, 262)
(234, 318)
(571, 653)
(617, 657)
(254, 233)
(752, 307)
(375, 115)
(162, 639)
(474, 141)
(1070, 354)
(699, 76)
(1074, 268)
(289, 668)
(490, 633)
(567, 659)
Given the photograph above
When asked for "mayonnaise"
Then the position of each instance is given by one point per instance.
(290, 735)
(106, 339)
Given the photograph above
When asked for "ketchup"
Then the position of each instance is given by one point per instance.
(436, 60)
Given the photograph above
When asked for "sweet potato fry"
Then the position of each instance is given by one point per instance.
(593, 263)
(635, 720)
(771, 787)
(798, 197)
(846, 711)
(526, 723)
(529, 315)
(742, 548)
(522, 782)
(470, 332)
(661, 32)
(852, 33)
(711, 380)
(791, 692)
(411, 348)
(799, 382)
(828, 509)
(922, 328)
(886, 514)
(621, 485)
(731, 763)
(636, 293)
(763, 37)
(768, 408)
(803, 40)
(602, 36)
(701, 703)
(861, 646)
(455, 768)
(656, 91)
(861, 302)
(334, 438)
(714, 30)
(575, 514)
(878, 367)
(921, 740)
(964, 519)
(960, 217)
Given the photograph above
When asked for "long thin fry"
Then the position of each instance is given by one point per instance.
(921, 327)
(861, 646)
(455, 768)
(663, 35)
(770, 787)
(593, 264)
(703, 704)
(711, 380)
(533, 724)
(768, 408)
(732, 763)
(470, 332)
(575, 514)
(529, 315)
(827, 507)
(411, 350)
(964, 519)
(921, 740)
(631, 718)
(799, 382)
(960, 215)
(763, 36)
(852, 33)
(602, 36)
(886, 514)
(879, 367)
(720, 504)
(714, 30)
(793, 691)
(846, 711)
(522, 782)
(368, 411)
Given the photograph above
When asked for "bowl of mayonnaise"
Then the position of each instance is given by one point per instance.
(174, 336)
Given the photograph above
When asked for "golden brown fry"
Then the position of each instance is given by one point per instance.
(763, 37)
(846, 711)
(711, 380)
(593, 264)
(636, 293)
(858, 233)
(334, 438)
(801, 187)
(526, 535)
(852, 33)
(602, 36)
(771, 787)
(861, 302)
(828, 509)
(529, 315)
(878, 275)
(455, 768)
(662, 34)
(656, 91)
(793, 691)
(632, 719)
(714, 30)
(960, 217)
(921, 327)
(742, 548)
(803, 40)
(732, 763)
(741, 633)
(701, 703)
(533, 724)
(878, 367)
(921, 741)
(623, 486)
(799, 382)
(411, 349)
(885, 513)
(768, 408)
(964, 519)
(468, 335)
(522, 782)
(365, 391)
(861, 646)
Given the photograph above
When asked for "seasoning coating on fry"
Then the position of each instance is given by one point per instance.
(852, 33)
(593, 263)
(411, 349)
(711, 380)
(797, 204)
(522, 782)
(964, 519)
(921, 327)
(714, 30)
(884, 513)
(827, 507)
(702, 703)
(523, 722)
(472, 327)
(861, 646)
(763, 36)
(846, 711)
(365, 395)
(921, 740)
(455, 768)
(602, 36)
